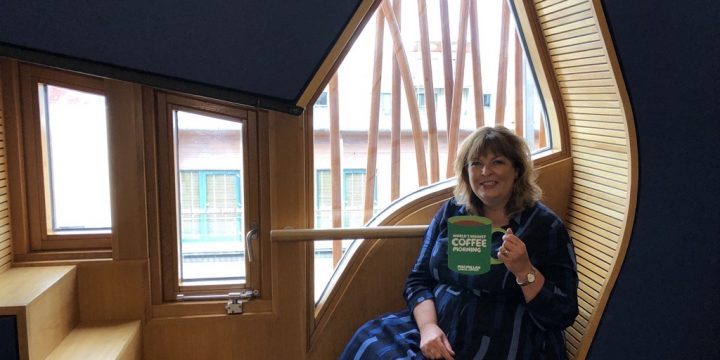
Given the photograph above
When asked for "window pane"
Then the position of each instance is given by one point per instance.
(210, 166)
(75, 129)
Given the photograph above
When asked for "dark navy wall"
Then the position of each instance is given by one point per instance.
(666, 303)
(8, 338)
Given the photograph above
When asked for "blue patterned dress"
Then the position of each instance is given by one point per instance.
(484, 316)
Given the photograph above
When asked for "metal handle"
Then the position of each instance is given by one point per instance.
(249, 237)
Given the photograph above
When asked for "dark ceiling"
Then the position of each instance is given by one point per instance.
(261, 53)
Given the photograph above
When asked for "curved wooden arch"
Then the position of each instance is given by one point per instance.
(571, 49)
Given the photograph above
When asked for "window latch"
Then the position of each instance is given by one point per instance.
(236, 300)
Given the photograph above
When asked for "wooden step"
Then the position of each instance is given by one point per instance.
(43, 301)
(101, 341)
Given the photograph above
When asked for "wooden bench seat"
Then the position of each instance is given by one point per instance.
(43, 301)
(101, 341)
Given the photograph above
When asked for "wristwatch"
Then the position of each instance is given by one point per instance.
(528, 280)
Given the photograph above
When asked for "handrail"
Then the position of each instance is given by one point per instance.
(375, 232)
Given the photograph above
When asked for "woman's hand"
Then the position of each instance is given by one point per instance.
(513, 253)
(434, 344)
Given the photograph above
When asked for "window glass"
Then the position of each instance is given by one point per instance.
(210, 171)
(484, 81)
(75, 134)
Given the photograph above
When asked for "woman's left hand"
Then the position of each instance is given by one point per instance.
(513, 253)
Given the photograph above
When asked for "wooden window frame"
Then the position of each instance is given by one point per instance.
(32, 238)
(164, 253)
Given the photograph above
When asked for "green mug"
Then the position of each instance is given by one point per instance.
(469, 244)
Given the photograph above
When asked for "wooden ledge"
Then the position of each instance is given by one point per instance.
(19, 286)
(102, 340)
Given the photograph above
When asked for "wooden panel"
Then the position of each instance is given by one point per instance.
(99, 296)
(5, 240)
(44, 301)
(601, 208)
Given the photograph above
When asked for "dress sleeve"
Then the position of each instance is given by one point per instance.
(555, 306)
(420, 282)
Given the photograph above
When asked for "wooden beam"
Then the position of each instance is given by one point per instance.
(396, 131)
(477, 68)
(500, 94)
(457, 89)
(519, 103)
(404, 66)
(447, 58)
(335, 163)
(369, 198)
(429, 92)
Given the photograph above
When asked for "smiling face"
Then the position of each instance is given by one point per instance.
(492, 178)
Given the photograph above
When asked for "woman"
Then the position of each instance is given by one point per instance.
(520, 307)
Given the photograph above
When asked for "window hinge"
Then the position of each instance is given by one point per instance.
(236, 300)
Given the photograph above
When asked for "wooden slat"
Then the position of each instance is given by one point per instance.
(620, 201)
(579, 47)
(607, 236)
(410, 98)
(477, 66)
(567, 19)
(602, 166)
(500, 93)
(597, 145)
(588, 298)
(607, 205)
(591, 271)
(592, 104)
(566, 12)
(569, 33)
(335, 163)
(593, 245)
(595, 75)
(370, 178)
(519, 105)
(5, 252)
(596, 236)
(572, 339)
(586, 90)
(595, 60)
(584, 309)
(573, 41)
(594, 178)
(570, 30)
(429, 93)
(580, 200)
(594, 217)
(599, 138)
(457, 89)
(589, 286)
(544, 4)
(447, 58)
(594, 111)
(604, 173)
(588, 254)
(602, 188)
(395, 131)
(601, 97)
(557, 6)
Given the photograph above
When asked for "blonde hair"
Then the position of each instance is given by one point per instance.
(499, 141)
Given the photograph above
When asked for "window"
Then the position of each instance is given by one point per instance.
(208, 155)
(64, 138)
(413, 146)
(322, 101)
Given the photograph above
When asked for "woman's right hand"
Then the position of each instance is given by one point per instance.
(434, 344)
